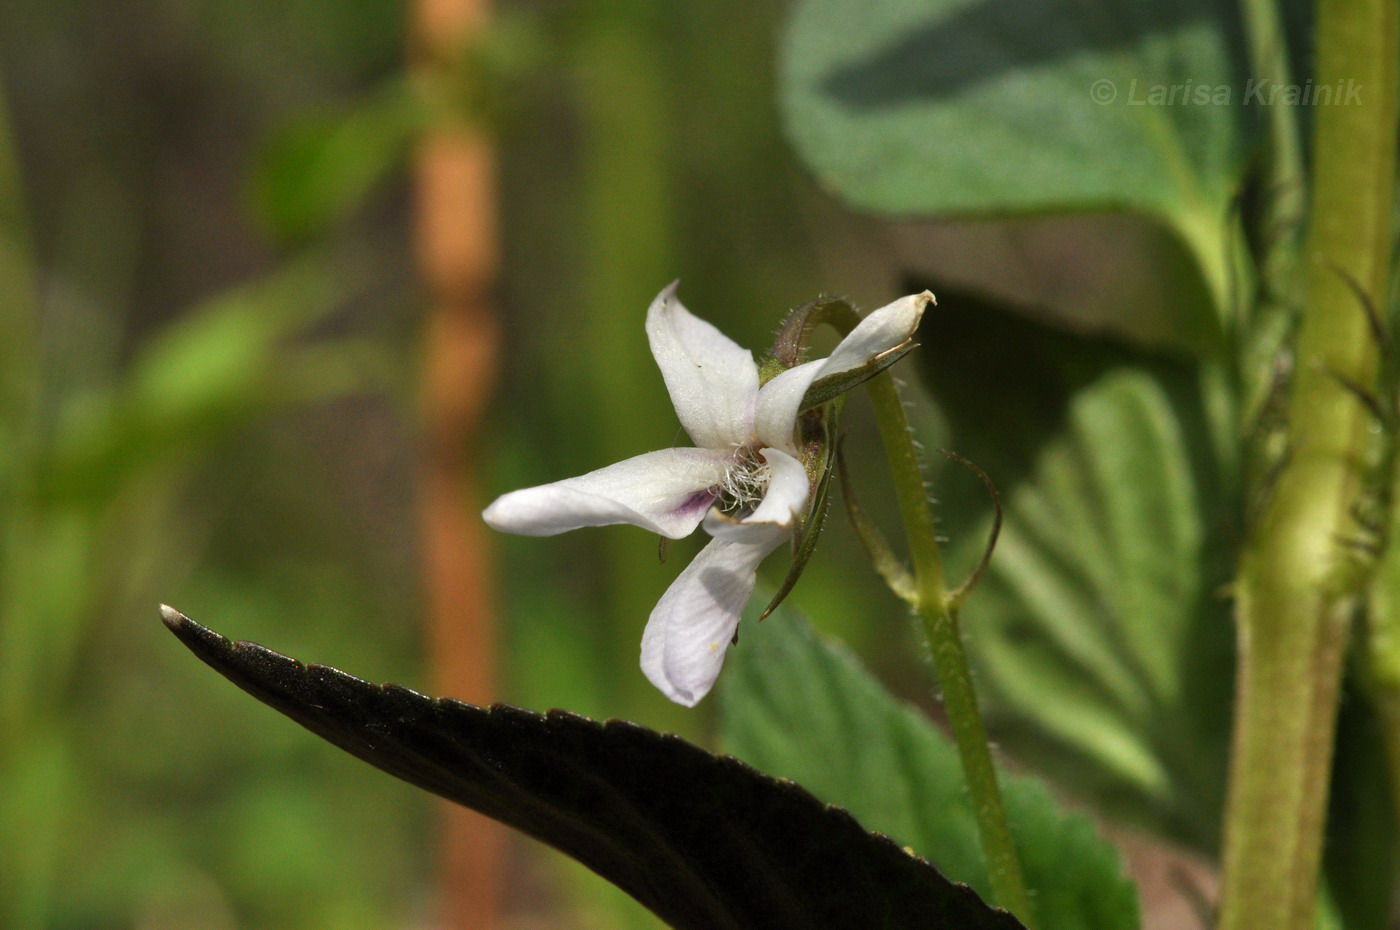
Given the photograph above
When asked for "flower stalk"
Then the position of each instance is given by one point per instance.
(939, 619)
(1297, 586)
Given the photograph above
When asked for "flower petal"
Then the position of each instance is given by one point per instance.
(690, 630)
(782, 506)
(882, 330)
(713, 381)
(775, 413)
(666, 492)
(787, 490)
(781, 399)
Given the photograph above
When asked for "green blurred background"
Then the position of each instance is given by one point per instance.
(210, 333)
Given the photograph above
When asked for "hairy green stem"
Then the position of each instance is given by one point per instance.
(940, 624)
(1381, 649)
(1297, 588)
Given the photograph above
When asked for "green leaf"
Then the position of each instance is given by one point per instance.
(704, 841)
(1101, 633)
(207, 373)
(973, 107)
(314, 171)
(805, 709)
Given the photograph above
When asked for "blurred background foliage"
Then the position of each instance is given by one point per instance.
(212, 338)
(209, 330)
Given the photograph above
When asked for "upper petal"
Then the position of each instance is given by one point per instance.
(780, 400)
(666, 492)
(690, 630)
(775, 413)
(713, 381)
(881, 330)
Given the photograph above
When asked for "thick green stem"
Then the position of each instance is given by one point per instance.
(1382, 648)
(1296, 588)
(940, 624)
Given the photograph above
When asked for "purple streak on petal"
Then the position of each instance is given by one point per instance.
(697, 503)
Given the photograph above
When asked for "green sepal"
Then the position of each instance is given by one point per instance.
(889, 566)
(818, 447)
(791, 343)
(790, 347)
(826, 389)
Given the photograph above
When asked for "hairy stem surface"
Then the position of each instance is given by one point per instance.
(940, 624)
(1297, 587)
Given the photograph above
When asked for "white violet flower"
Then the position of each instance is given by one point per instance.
(743, 479)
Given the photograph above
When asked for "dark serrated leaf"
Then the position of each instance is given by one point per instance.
(704, 841)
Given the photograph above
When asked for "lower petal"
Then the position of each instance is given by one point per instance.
(666, 492)
(787, 490)
(782, 505)
(691, 627)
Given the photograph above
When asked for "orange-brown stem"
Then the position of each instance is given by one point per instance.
(456, 241)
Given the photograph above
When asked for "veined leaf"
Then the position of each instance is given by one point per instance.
(1101, 632)
(997, 108)
(804, 708)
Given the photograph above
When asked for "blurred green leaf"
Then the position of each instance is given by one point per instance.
(40, 788)
(48, 579)
(705, 842)
(801, 707)
(210, 370)
(908, 107)
(1101, 633)
(316, 170)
